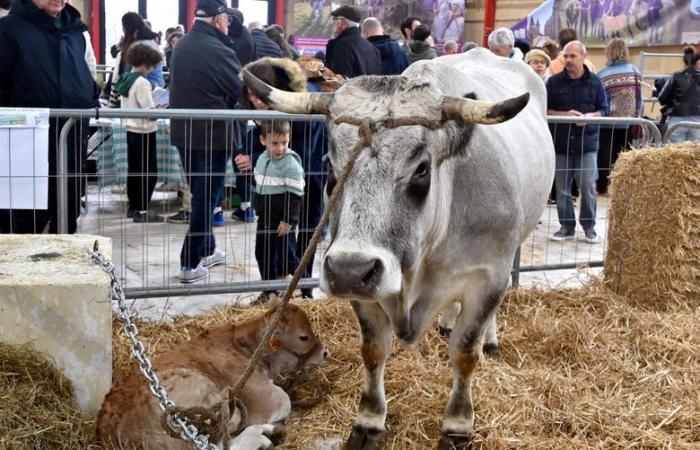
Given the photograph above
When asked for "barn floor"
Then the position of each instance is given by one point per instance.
(148, 255)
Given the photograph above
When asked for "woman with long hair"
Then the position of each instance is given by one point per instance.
(681, 97)
(623, 85)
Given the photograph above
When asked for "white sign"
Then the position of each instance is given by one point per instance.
(24, 158)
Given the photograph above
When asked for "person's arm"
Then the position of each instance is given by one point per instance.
(601, 103)
(664, 96)
(8, 58)
(90, 59)
(144, 98)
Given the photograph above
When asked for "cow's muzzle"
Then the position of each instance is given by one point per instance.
(352, 274)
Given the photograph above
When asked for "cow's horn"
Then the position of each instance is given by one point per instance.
(473, 111)
(289, 102)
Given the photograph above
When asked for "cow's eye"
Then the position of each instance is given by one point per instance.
(304, 338)
(421, 170)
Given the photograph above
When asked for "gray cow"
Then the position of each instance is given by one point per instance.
(431, 216)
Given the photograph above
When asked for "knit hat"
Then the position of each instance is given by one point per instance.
(537, 53)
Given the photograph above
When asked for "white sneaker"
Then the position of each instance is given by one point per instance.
(193, 275)
(216, 258)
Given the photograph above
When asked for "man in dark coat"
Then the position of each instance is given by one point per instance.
(243, 42)
(42, 65)
(204, 75)
(349, 54)
(264, 46)
(394, 60)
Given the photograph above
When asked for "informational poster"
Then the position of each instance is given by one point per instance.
(639, 22)
(313, 26)
(24, 158)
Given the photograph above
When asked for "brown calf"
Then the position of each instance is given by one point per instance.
(197, 372)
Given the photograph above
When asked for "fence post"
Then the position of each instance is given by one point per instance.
(62, 174)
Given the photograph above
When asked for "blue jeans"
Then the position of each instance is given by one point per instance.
(684, 134)
(584, 169)
(205, 171)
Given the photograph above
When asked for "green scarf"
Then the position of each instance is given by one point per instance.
(125, 82)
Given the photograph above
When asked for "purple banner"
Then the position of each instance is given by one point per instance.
(639, 22)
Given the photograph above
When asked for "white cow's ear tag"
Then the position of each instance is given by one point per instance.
(275, 343)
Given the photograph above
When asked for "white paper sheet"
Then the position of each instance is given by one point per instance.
(24, 158)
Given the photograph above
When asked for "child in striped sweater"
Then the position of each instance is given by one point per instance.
(279, 189)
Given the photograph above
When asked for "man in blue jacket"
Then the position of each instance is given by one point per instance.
(394, 60)
(204, 75)
(42, 65)
(576, 92)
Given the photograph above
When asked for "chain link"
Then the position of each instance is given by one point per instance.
(188, 432)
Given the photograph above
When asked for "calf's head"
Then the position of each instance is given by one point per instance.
(294, 345)
(395, 204)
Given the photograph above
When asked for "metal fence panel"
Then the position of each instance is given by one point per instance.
(147, 255)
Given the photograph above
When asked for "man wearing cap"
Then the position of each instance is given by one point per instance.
(204, 75)
(349, 54)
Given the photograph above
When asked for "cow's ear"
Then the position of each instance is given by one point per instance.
(273, 302)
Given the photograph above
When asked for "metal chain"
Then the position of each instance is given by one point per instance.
(188, 431)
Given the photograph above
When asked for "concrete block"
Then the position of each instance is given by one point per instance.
(54, 296)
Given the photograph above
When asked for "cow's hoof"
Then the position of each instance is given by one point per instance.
(491, 350)
(455, 442)
(444, 331)
(362, 438)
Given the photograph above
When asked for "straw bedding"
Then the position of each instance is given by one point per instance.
(654, 250)
(579, 369)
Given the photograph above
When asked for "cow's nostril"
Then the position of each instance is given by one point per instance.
(325, 354)
(372, 272)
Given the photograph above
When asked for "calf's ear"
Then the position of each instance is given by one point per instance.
(275, 343)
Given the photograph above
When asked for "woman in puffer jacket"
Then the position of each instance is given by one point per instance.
(681, 97)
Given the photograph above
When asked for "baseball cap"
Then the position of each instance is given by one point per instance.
(211, 8)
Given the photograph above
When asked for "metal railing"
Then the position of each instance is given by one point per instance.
(679, 125)
(133, 243)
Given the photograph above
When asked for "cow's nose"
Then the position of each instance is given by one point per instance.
(352, 274)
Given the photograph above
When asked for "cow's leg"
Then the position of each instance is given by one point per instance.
(369, 427)
(465, 348)
(491, 339)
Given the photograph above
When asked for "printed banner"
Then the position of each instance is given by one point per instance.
(24, 158)
(639, 22)
(312, 19)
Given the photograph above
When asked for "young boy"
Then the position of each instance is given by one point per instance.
(135, 91)
(279, 189)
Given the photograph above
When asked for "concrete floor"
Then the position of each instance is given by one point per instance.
(148, 255)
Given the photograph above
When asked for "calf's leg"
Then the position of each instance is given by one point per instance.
(369, 427)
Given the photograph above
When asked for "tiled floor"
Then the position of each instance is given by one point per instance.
(148, 255)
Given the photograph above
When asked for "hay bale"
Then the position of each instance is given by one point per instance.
(654, 227)
(579, 369)
(37, 410)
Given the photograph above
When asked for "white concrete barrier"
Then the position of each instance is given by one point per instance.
(54, 296)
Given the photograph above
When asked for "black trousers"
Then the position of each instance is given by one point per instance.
(276, 255)
(143, 169)
(610, 143)
(33, 221)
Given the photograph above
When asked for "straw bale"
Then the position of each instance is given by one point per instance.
(579, 369)
(654, 236)
(36, 404)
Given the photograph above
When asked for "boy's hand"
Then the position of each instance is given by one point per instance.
(283, 229)
(243, 163)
